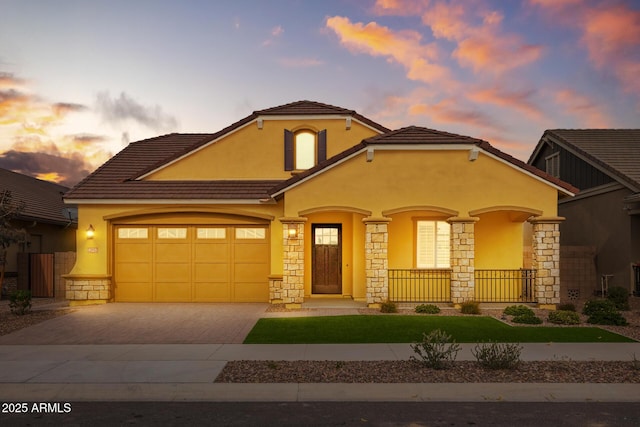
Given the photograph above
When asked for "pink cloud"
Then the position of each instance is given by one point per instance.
(584, 108)
(400, 7)
(519, 100)
(610, 31)
(482, 45)
(612, 37)
(403, 47)
(451, 111)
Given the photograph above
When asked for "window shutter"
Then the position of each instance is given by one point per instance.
(322, 145)
(288, 150)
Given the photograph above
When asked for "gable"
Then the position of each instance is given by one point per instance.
(397, 178)
(256, 150)
(590, 158)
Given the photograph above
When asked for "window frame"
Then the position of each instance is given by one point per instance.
(290, 144)
(552, 164)
(436, 243)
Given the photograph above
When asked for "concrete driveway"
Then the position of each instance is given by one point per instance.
(142, 323)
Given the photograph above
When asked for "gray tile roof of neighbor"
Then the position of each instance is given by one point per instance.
(615, 150)
(43, 199)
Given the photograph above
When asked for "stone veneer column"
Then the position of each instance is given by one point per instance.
(87, 289)
(376, 260)
(292, 292)
(546, 260)
(462, 259)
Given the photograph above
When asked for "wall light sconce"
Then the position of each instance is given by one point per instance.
(90, 232)
(293, 233)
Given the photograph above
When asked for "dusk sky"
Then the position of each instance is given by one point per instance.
(81, 79)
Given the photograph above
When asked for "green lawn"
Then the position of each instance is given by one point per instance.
(407, 329)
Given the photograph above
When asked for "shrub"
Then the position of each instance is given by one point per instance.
(470, 307)
(388, 307)
(528, 319)
(564, 317)
(608, 318)
(495, 355)
(518, 310)
(566, 307)
(20, 302)
(428, 309)
(596, 306)
(619, 296)
(437, 349)
(603, 312)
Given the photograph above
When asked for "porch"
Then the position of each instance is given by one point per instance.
(434, 285)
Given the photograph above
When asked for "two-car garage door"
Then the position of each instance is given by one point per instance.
(191, 263)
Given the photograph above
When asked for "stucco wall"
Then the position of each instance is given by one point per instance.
(601, 221)
(253, 153)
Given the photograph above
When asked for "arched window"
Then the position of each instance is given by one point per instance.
(304, 148)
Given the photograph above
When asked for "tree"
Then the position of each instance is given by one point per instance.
(9, 234)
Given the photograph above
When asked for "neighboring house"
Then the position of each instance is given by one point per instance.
(605, 165)
(311, 200)
(50, 224)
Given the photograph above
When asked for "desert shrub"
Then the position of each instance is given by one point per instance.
(603, 312)
(518, 310)
(437, 349)
(470, 307)
(20, 302)
(619, 296)
(564, 317)
(607, 318)
(527, 319)
(596, 306)
(388, 307)
(428, 309)
(495, 355)
(567, 307)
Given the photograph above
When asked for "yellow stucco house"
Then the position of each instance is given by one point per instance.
(311, 200)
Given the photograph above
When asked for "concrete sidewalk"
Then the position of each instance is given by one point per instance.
(185, 372)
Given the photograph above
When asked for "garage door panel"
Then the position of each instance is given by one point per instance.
(173, 252)
(211, 252)
(250, 252)
(134, 291)
(133, 252)
(133, 272)
(211, 273)
(244, 272)
(213, 292)
(173, 292)
(251, 292)
(173, 272)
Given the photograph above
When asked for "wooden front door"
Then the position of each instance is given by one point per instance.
(327, 259)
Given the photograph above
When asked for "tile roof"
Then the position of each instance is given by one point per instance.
(617, 151)
(117, 178)
(420, 135)
(313, 108)
(43, 199)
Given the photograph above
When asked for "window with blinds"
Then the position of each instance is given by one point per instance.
(433, 245)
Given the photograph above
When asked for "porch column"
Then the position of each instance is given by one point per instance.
(376, 260)
(292, 292)
(462, 259)
(546, 260)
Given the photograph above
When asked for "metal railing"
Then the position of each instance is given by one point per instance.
(505, 285)
(418, 285)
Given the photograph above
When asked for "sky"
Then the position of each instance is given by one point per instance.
(79, 80)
